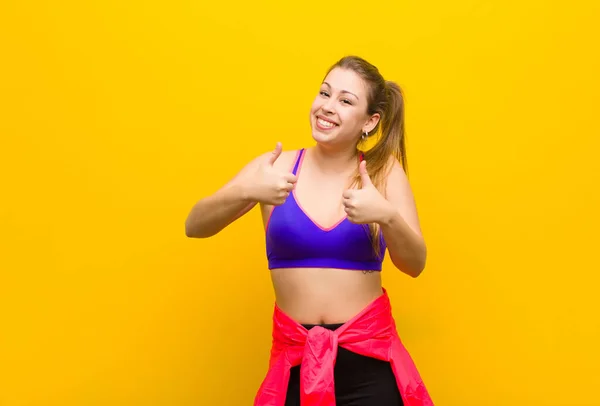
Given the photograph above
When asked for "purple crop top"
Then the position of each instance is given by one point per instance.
(294, 240)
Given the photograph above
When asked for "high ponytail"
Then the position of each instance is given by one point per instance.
(386, 99)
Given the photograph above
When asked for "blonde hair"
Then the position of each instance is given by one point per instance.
(385, 98)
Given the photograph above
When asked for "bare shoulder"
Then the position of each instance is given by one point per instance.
(396, 178)
(399, 193)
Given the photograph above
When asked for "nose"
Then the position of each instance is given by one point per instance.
(328, 106)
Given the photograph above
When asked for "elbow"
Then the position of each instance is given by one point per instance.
(419, 267)
(190, 230)
(191, 233)
(194, 226)
(196, 234)
(412, 267)
(194, 231)
(414, 271)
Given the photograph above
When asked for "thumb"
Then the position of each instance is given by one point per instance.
(275, 154)
(364, 175)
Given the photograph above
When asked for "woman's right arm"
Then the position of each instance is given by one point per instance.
(257, 182)
(213, 213)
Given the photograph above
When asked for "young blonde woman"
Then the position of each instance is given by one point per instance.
(330, 213)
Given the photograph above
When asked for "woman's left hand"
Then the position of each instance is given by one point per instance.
(366, 205)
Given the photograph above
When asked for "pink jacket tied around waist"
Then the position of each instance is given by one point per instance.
(372, 333)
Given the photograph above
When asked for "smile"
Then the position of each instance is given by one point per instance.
(324, 124)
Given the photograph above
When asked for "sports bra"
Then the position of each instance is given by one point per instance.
(295, 240)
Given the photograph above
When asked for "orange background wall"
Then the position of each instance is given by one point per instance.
(115, 117)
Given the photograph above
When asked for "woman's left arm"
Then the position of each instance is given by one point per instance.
(400, 226)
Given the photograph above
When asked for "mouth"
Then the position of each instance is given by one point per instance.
(324, 124)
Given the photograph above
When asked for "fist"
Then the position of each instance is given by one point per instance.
(269, 184)
(365, 205)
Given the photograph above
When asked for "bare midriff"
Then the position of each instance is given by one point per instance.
(324, 295)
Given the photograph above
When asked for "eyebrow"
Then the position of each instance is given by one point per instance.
(342, 91)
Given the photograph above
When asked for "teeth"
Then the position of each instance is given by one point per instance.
(325, 123)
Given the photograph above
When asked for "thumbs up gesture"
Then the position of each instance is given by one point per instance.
(365, 205)
(270, 185)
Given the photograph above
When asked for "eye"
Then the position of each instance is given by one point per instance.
(347, 101)
(323, 93)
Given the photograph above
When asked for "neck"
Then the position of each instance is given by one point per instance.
(337, 160)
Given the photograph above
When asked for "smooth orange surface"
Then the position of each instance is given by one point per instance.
(115, 117)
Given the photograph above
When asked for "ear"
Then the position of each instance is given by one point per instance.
(371, 123)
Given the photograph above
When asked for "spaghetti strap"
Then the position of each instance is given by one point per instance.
(295, 170)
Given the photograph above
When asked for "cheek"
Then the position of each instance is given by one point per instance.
(349, 117)
(314, 107)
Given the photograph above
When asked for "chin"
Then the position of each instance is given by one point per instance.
(323, 138)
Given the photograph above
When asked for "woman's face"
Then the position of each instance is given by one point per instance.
(338, 114)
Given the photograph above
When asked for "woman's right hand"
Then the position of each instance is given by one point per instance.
(268, 184)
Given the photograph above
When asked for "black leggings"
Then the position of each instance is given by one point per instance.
(359, 380)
